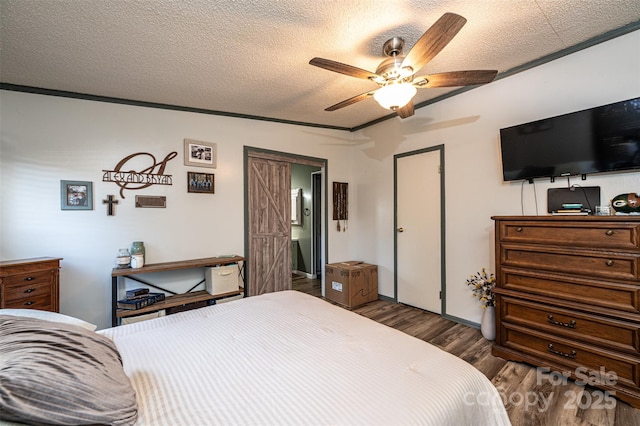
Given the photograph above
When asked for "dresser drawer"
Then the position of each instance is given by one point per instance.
(571, 354)
(30, 290)
(607, 295)
(580, 262)
(597, 330)
(573, 234)
(26, 279)
(41, 301)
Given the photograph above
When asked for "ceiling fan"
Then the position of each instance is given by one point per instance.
(395, 75)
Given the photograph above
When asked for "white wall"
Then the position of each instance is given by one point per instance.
(468, 126)
(46, 139)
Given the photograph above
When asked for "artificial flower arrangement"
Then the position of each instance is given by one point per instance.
(482, 286)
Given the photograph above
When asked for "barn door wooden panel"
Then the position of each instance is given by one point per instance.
(269, 211)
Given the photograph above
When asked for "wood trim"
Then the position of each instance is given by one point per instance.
(180, 264)
(278, 156)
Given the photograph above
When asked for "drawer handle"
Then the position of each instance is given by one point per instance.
(609, 232)
(570, 324)
(519, 229)
(571, 355)
(29, 303)
(29, 279)
(30, 290)
(609, 262)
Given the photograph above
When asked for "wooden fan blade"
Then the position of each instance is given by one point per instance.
(406, 111)
(350, 101)
(455, 78)
(433, 41)
(349, 70)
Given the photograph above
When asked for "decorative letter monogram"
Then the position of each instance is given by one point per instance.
(133, 180)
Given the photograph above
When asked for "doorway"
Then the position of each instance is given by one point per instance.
(419, 229)
(268, 234)
(302, 231)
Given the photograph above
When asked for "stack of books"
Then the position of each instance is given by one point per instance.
(138, 298)
(572, 209)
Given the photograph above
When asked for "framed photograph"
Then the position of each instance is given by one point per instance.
(200, 182)
(76, 195)
(200, 154)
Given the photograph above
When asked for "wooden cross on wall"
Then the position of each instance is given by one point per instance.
(110, 201)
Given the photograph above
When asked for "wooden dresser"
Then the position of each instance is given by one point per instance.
(568, 297)
(30, 283)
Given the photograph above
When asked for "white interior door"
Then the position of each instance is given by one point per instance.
(418, 230)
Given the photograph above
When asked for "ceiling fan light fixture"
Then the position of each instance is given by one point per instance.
(395, 95)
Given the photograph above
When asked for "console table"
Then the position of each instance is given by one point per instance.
(118, 275)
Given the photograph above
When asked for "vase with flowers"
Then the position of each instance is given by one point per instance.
(482, 284)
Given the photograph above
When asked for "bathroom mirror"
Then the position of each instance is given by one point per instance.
(296, 206)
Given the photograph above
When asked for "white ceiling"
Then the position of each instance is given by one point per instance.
(250, 57)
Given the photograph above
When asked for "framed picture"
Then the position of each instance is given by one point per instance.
(200, 182)
(200, 154)
(76, 195)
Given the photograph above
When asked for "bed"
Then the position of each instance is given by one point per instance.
(288, 358)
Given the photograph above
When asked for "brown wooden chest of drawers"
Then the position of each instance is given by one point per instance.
(30, 284)
(568, 296)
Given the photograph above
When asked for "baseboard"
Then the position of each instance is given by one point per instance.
(461, 321)
(386, 298)
(305, 274)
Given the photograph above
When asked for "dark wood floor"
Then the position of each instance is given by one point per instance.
(529, 397)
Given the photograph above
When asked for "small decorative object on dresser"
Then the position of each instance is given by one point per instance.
(482, 285)
(626, 203)
(30, 283)
(568, 298)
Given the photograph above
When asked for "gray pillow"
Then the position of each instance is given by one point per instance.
(49, 316)
(57, 373)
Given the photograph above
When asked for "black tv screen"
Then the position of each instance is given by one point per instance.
(596, 140)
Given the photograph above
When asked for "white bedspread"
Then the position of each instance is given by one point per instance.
(290, 358)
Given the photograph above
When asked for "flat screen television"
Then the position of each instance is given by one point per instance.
(596, 140)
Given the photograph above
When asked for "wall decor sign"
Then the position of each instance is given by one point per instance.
(151, 173)
(76, 195)
(200, 182)
(200, 154)
(151, 201)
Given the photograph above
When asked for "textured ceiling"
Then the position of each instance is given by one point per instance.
(250, 57)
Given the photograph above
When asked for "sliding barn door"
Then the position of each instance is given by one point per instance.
(269, 211)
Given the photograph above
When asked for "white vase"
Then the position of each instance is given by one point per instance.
(488, 323)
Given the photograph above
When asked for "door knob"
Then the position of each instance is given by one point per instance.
(400, 229)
